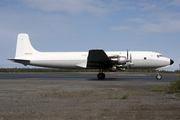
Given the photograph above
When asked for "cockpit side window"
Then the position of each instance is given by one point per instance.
(159, 56)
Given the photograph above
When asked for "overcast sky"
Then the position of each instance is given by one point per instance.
(81, 25)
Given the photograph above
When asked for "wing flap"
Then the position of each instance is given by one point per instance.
(81, 65)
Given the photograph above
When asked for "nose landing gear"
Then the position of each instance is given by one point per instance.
(158, 76)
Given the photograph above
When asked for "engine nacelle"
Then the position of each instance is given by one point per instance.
(119, 60)
(122, 60)
(113, 69)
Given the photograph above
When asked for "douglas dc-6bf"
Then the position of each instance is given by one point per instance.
(94, 59)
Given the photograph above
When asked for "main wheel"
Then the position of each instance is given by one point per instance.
(158, 76)
(101, 76)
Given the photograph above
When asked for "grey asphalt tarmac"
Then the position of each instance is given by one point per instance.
(83, 96)
(88, 77)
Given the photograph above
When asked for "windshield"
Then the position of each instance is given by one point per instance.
(159, 55)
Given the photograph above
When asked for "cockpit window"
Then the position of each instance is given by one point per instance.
(159, 56)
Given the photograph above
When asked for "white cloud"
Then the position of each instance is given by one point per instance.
(74, 7)
(175, 2)
(147, 6)
(155, 18)
(138, 20)
(122, 28)
(157, 23)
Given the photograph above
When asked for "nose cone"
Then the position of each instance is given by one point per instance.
(171, 61)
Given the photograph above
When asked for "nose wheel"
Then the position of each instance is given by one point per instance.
(158, 76)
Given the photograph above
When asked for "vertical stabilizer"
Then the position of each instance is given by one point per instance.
(24, 46)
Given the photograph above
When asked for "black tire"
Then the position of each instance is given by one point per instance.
(101, 76)
(158, 76)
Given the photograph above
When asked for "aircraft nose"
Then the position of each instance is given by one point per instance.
(171, 61)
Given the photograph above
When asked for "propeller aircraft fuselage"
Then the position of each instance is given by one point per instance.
(94, 59)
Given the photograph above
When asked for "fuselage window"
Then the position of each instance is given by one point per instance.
(145, 58)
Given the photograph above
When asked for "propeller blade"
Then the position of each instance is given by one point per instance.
(127, 55)
(129, 61)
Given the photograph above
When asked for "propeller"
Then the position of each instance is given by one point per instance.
(129, 61)
(128, 57)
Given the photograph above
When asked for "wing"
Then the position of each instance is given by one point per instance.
(97, 59)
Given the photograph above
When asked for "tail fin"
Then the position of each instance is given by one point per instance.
(24, 46)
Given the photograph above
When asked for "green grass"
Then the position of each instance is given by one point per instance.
(157, 90)
(173, 87)
(125, 96)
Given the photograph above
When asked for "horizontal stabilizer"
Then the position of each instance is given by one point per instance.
(24, 62)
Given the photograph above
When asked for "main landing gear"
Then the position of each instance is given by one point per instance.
(101, 75)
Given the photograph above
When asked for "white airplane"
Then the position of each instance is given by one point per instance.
(94, 59)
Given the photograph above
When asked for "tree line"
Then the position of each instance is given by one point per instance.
(52, 70)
